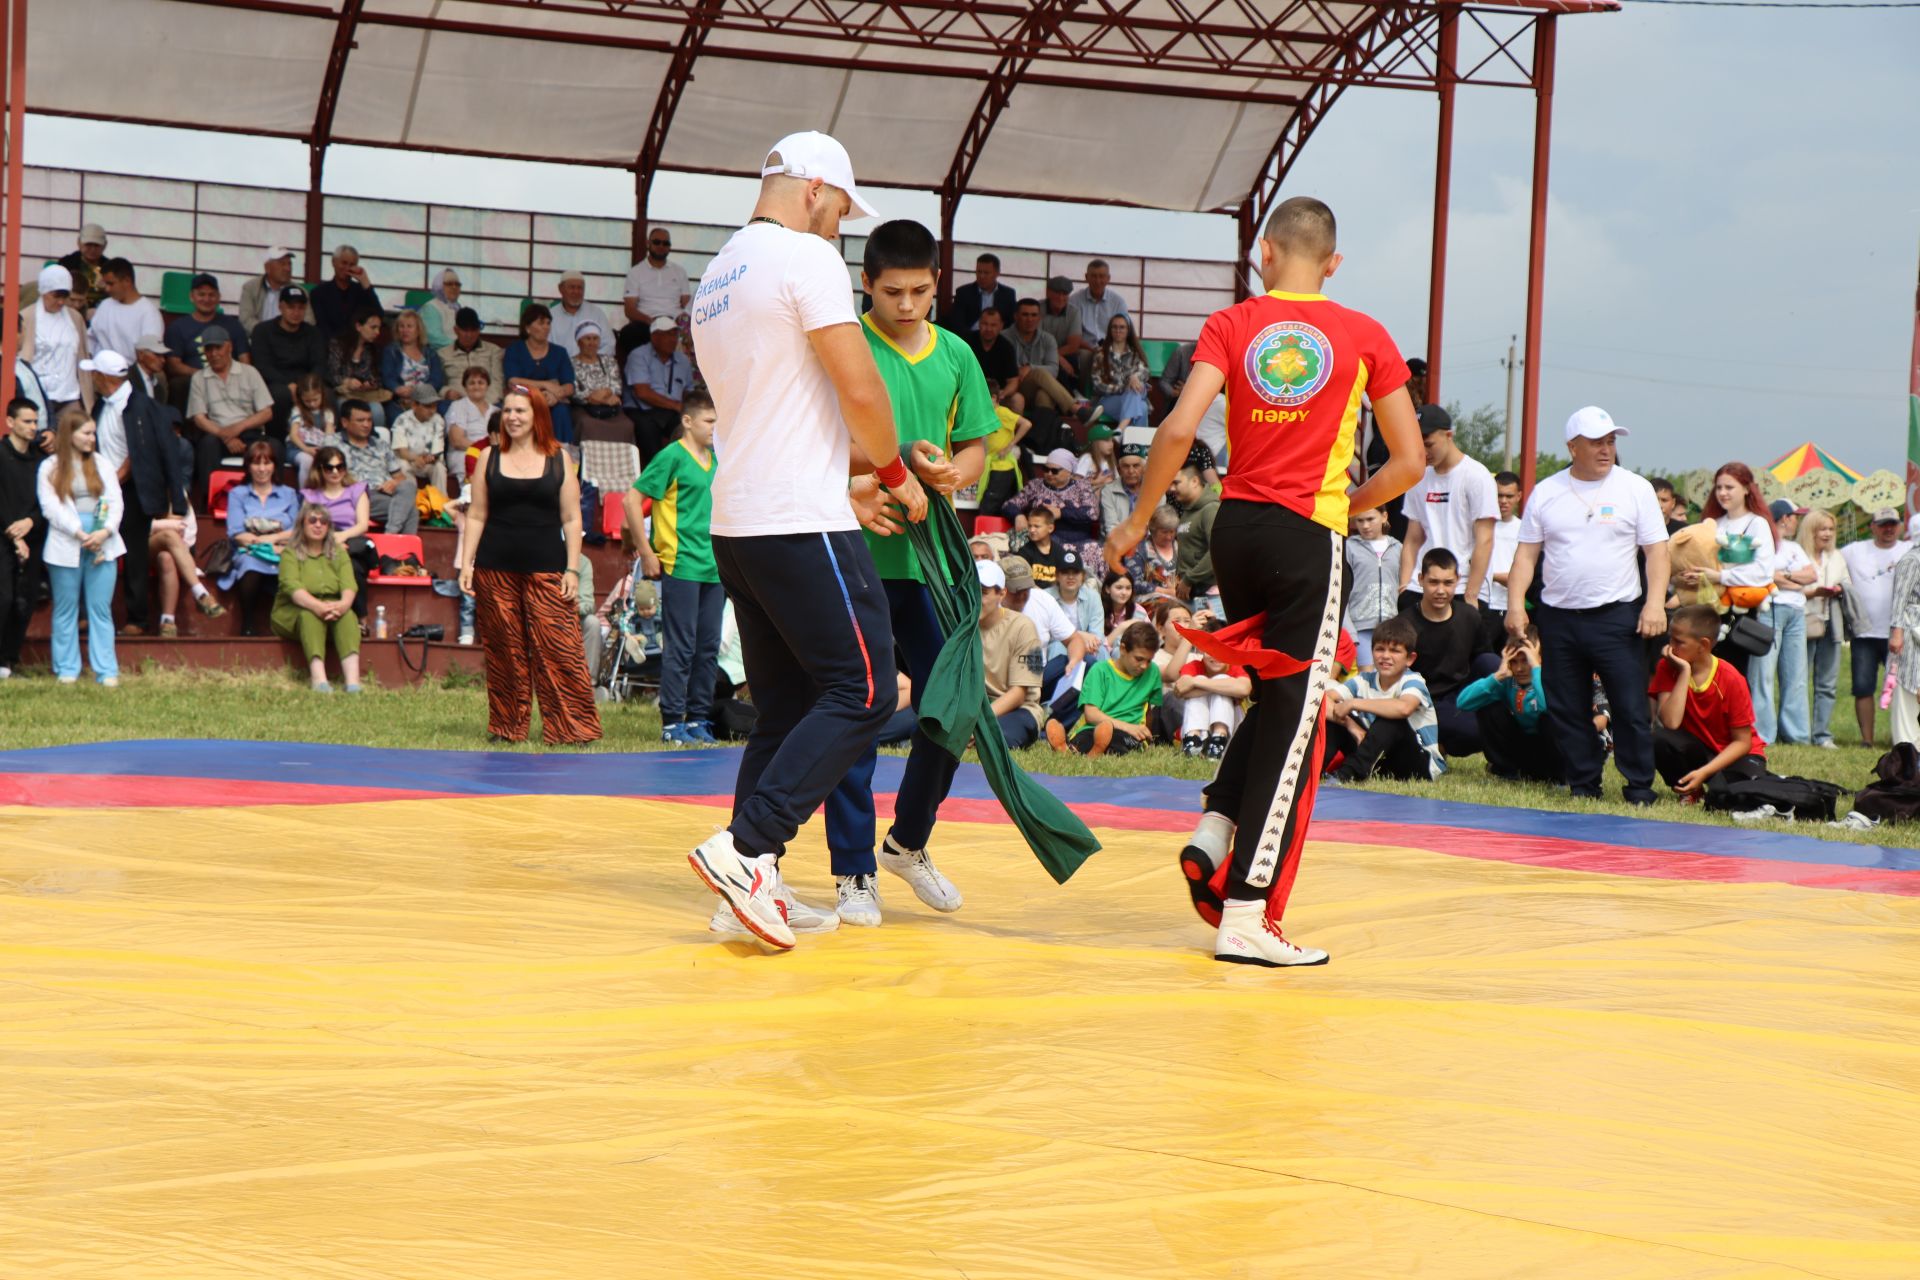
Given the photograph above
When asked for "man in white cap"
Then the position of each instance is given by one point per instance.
(1013, 657)
(657, 376)
(135, 436)
(1585, 530)
(792, 378)
(573, 311)
(260, 296)
(84, 264)
(53, 339)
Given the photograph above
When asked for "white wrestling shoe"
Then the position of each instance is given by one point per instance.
(801, 917)
(859, 901)
(915, 866)
(1246, 937)
(746, 888)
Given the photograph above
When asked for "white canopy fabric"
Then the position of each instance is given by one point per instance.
(1153, 102)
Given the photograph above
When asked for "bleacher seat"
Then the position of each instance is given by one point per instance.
(418, 298)
(176, 293)
(217, 486)
(983, 525)
(613, 518)
(398, 546)
(1158, 352)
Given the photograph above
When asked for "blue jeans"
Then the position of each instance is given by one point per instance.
(690, 613)
(1824, 655)
(1126, 406)
(1759, 674)
(1782, 717)
(851, 824)
(95, 582)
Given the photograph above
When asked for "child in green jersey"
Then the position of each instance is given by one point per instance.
(943, 413)
(680, 554)
(1115, 698)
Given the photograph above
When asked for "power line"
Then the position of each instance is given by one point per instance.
(1789, 4)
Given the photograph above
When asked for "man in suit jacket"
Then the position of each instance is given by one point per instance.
(969, 300)
(141, 432)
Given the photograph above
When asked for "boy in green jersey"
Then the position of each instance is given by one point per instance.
(1115, 698)
(679, 552)
(943, 413)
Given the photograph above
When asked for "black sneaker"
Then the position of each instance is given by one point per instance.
(1216, 746)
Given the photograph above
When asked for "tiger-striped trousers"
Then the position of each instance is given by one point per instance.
(531, 636)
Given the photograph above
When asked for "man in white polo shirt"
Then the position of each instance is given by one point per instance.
(1585, 529)
(792, 377)
(1453, 506)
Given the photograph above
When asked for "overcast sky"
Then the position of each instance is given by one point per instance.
(1734, 233)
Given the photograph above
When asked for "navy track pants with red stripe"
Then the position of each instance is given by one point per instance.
(816, 639)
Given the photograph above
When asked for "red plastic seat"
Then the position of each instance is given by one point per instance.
(613, 517)
(991, 524)
(398, 546)
(217, 485)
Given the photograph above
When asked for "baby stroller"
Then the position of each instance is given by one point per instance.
(630, 651)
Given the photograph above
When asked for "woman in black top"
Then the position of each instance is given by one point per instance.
(522, 568)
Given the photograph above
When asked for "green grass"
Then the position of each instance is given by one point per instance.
(451, 714)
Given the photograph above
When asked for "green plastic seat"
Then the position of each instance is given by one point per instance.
(418, 298)
(176, 293)
(1159, 351)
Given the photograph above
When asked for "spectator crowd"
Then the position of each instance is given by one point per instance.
(1595, 618)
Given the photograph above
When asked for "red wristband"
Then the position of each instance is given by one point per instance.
(893, 474)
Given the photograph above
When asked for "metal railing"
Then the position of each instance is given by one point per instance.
(503, 256)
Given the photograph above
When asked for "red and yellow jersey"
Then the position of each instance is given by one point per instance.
(1297, 366)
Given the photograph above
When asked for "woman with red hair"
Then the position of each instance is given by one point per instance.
(523, 569)
(1746, 541)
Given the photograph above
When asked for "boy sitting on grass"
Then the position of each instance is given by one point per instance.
(1115, 699)
(1384, 719)
(1511, 707)
(1703, 735)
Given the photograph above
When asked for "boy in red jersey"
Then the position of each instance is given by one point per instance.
(1294, 367)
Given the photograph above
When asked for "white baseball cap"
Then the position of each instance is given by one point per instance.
(1594, 423)
(815, 155)
(663, 324)
(991, 574)
(111, 363)
(278, 252)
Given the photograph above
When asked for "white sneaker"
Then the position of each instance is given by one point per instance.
(801, 917)
(1856, 821)
(916, 867)
(1761, 814)
(859, 901)
(6, 673)
(466, 637)
(1246, 937)
(746, 888)
(110, 682)
(69, 679)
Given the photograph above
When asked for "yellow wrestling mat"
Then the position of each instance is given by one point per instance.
(316, 1042)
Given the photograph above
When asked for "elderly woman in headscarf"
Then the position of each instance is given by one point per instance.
(1072, 496)
(438, 311)
(53, 339)
(596, 377)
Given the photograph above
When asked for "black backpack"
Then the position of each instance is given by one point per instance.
(1894, 795)
(1803, 798)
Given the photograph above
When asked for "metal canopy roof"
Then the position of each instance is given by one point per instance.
(1173, 104)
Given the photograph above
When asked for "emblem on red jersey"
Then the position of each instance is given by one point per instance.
(1288, 362)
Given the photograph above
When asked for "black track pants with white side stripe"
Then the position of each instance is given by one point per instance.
(1270, 560)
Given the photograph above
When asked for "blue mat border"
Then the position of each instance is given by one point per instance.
(711, 772)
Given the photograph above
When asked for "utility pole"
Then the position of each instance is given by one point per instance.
(1506, 463)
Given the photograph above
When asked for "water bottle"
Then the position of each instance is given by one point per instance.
(380, 623)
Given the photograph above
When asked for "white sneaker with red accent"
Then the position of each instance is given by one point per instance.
(1247, 937)
(801, 917)
(747, 888)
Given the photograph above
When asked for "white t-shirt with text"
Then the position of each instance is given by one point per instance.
(1590, 533)
(780, 428)
(1446, 506)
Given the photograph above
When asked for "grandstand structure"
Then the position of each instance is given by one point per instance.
(1192, 105)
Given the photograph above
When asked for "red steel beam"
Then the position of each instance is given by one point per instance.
(672, 86)
(1041, 25)
(14, 43)
(321, 135)
(1442, 199)
(1543, 41)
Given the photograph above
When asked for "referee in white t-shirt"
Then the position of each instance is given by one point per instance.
(792, 376)
(1585, 529)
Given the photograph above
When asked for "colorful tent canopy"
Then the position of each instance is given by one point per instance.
(1803, 458)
